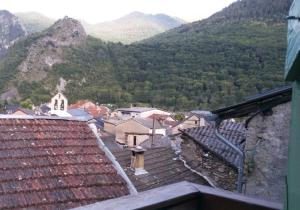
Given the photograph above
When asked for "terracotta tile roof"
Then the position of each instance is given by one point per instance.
(53, 164)
(205, 136)
(159, 116)
(25, 111)
(161, 166)
(91, 108)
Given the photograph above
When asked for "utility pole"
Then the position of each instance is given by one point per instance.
(153, 127)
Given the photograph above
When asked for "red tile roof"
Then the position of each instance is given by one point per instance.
(53, 164)
(91, 108)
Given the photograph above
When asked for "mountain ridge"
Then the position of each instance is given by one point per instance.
(133, 27)
(203, 65)
(11, 30)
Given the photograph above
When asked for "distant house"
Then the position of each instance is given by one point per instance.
(194, 120)
(97, 111)
(139, 112)
(111, 124)
(23, 111)
(52, 163)
(11, 108)
(59, 105)
(134, 131)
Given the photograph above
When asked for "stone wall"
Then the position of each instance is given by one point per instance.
(218, 171)
(266, 153)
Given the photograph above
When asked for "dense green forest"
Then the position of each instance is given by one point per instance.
(204, 65)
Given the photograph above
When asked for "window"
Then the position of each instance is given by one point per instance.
(134, 140)
(196, 122)
(62, 105)
(55, 104)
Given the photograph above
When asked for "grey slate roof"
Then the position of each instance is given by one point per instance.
(80, 113)
(205, 136)
(158, 141)
(110, 142)
(45, 108)
(161, 167)
(259, 102)
(10, 108)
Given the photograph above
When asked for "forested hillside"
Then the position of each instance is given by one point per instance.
(207, 64)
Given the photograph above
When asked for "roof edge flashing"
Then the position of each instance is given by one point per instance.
(112, 158)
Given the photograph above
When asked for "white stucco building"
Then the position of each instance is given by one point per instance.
(139, 112)
(135, 131)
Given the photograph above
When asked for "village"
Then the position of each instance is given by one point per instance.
(229, 148)
(145, 110)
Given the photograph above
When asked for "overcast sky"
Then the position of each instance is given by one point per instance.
(95, 11)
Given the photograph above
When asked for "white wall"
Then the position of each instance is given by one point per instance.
(159, 131)
(142, 114)
(156, 111)
(59, 102)
(59, 105)
(139, 139)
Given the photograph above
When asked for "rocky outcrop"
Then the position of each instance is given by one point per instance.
(11, 30)
(47, 50)
(267, 152)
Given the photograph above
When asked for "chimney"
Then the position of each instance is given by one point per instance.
(137, 160)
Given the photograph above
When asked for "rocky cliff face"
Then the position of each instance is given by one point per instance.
(47, 50)
(267, 152)
(11, 30)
